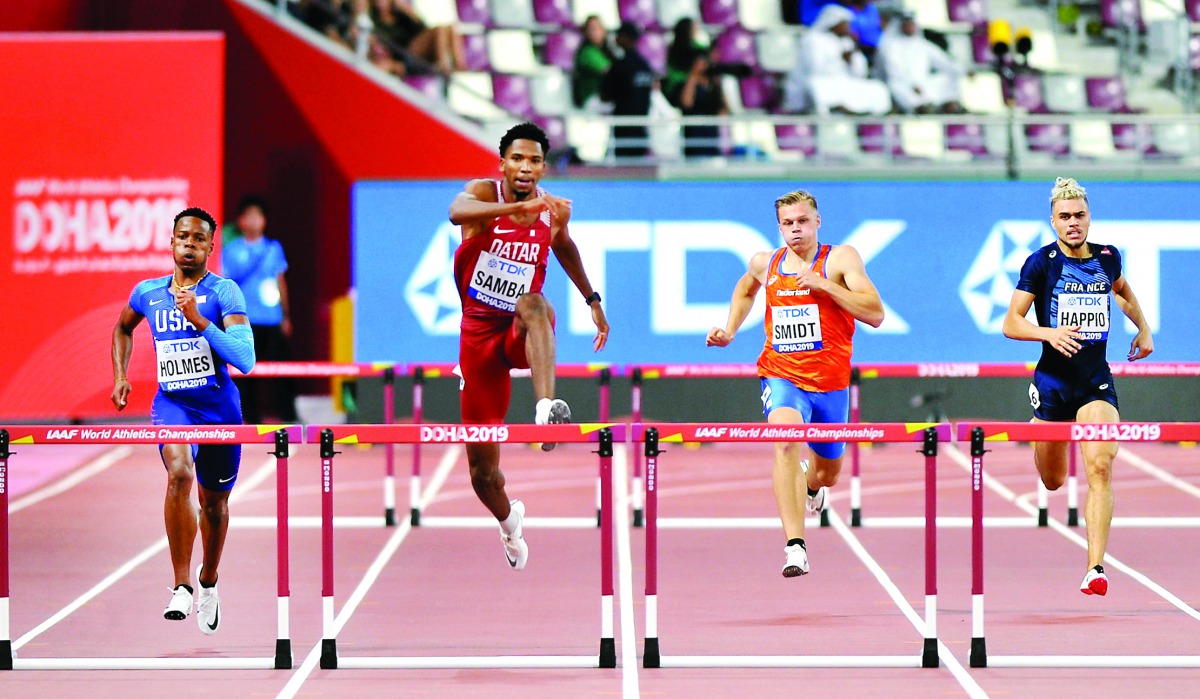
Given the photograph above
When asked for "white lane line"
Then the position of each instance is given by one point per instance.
(1158, 472)
(623, 511)
(946, 656)
(79, 475)
(1109, 560)
(244, 486)
(313, 659)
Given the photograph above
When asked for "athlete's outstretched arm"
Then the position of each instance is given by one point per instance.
(567, 254)
(858, 296)
(122, 350)
(1143, 343)
(1018, 327)
(742, 301)
(477, 204)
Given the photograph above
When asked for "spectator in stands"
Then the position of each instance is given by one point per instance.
(329, 17)
(701, 95)
(922, 77)
(404, 32)
(866, 27)
(831, 73)
(257, 264)
(685, 39)
(382, 57)
(809, 9)
(628, 85)
(592, 61)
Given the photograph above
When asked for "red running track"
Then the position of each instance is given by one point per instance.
(448, 591)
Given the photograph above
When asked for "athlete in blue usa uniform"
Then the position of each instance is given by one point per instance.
(198, 324)
(1070, 284)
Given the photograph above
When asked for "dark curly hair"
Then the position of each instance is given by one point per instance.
(527, 131)
(199, 213)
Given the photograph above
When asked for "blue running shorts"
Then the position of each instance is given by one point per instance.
(832, 407)
(216, 464)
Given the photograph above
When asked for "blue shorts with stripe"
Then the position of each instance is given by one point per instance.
(827, 408)
(1055, 399)
(216, 464)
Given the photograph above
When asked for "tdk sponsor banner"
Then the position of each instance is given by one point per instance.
(665, 257)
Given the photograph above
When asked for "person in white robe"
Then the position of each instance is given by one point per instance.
(831, 73)
(923, 78)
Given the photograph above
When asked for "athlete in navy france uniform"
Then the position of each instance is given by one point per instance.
(198, 324)
(1069, 283)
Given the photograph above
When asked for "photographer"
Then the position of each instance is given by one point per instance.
(701, 95)
(627, 85)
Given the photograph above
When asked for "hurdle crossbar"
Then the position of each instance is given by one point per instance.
(602, 434)
(652, 435)
(278, 435)
(979, 434)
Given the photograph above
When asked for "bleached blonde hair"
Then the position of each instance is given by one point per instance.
(1067, 188)
(795, 198)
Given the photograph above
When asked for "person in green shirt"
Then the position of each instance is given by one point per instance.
(592, 61)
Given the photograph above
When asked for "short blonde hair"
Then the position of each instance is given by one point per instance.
(795, 198)
(1067, 188)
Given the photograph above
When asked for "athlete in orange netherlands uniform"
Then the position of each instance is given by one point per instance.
(509, 226)
(814, 294)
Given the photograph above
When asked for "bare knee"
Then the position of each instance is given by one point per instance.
(1053, 481)
(534, 308)
(180, 478)
(1099, 468)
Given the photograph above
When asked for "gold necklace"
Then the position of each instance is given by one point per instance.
(189, 287)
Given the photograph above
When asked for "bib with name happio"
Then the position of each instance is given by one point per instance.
(1088, 311)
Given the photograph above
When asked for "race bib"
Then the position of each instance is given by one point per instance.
(1088, 311)
(795, 328)
(184, 363)
(498, 282)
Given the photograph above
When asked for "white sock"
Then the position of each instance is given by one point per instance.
(541, 412)
(509, 525)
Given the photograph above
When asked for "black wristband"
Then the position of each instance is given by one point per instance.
(594, 297)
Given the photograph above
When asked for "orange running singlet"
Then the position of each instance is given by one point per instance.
(809, 336)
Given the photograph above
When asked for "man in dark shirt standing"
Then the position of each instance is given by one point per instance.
(627, 85)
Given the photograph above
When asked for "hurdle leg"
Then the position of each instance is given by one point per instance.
(608, 647)
(389, 450)
(328, 639)
(603, 413)
(855, 463)
(6, 654)
(978, 657)
(283, 640)
(1043, 500)
(929, 654)
(414, 489)
(636, 487)
(1072, 485)
(650, 652)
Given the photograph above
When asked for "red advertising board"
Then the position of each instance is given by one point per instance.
(106, 138)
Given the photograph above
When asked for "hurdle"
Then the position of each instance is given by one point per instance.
(979, 434)
(602, 434)
(603, 373)
(652, 435)
(278, 436)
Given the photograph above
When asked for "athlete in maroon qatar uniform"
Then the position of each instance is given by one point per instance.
(509, 227)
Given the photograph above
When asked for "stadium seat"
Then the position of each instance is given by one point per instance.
(754, 136)
(982, 93)
(777, 50)
(981, 47)
(1028, 94)
(722, 13)
(553, 12)
(1092, 138)
(1134, 138)
(1120, 13)
(640, 12)
(1054, 139)
(1193, 9)
(836, 140)
(556, 131)
(922, 138)
(653, 47)
(511, 51)
(550, 92)
(733, 94)
(879, 138)
(475, 12)
(435, 13)
(800, 139)
(511, 93)
(1175, 139)
(1161, 10)
(981, 141)
(762, 15)
(759, 92)
(560, 49)
(671, 11)
(589, 137)
(475, 46)
(1107, 94)
(430, 86)
(470, 94)
(972, 12)
(930, 14)
(1064, 94)
(606, 10)
(736, 45)
(512, 13)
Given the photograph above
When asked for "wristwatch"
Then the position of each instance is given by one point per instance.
(593, 298)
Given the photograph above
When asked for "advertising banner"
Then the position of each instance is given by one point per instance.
(665, 257)
(106, 138)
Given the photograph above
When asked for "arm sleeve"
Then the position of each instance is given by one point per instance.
(1031, 274)
(235, 345)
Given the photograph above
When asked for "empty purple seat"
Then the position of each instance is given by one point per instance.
(736, 45)
(653, 47)
(1027, 93)
(1121, 13)
(759, 92)
(880, 138)
(476, 53)
(966, 137)
(1048, 138)
(431, 86)
(511, 93)
(973, 12)
(474, 12)
(723, 13)
(1194, 51)
(556, 131)
(981, 48)
(560, 49)
(797, 137)
(1136, 138)
(1193, 9)
(1107, 94)
(555, 12)
(641, 12)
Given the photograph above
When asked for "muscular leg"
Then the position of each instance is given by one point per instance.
(535, 323)
(824, 472)
(786, 478)
(487, 479)
(1098, 459)
(178, 513)
(1050, 458)
(214, 522)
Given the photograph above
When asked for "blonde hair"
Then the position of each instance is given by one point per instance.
(795, 198)
(1067, 188)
